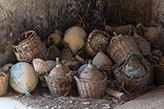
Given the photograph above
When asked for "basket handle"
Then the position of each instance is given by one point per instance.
(68, 18)
(4, 74)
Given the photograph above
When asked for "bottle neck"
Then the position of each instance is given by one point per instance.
(100, 48)
(132, 54)
(115, 34)
(90, 63)
(51, 41)
(57, 62)
(66, 45)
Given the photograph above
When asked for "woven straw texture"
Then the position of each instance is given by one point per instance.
(58, 86)
(120, 47)
(3, 83)
(28, 46)
(95, 38)
(123, 30)
(91, 89)
(140, 85)
(143, 45)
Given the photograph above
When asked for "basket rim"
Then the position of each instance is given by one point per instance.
(58, 78)
(16, 45)
(93, 81)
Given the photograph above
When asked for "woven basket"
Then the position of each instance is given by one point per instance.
(95, 38)
(138, 85)
(143, 45)
(73, 20)
(58, 86)
(28, 46)
(123, 30)
(3, 83)
(120, 47)
(42, 68)
(91, 89)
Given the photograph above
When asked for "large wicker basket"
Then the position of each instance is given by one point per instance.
(91, 89)
(120, 47)
(3, 83)
(95, 38)
(58, 86)
(28, 46)
(136, 85)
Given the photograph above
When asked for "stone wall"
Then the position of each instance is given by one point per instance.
(44, 16)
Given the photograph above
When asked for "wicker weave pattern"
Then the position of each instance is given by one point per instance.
(91, 89)
(3, 83)
(120, 47)
(58, 86)
(140, 85)
(28, 46)
(96, 37)
(143, 45)
(159, 40)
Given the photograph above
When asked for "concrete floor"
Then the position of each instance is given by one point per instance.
(7, 102)
(151, 100)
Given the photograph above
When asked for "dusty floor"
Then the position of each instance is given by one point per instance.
(40, 99)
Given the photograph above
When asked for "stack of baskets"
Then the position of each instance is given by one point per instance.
(28, 46)
(3, 83)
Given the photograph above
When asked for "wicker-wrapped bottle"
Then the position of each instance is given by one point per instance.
(66, 53)
(154, 33)
(121, 46)
(143, 45)
(101, 59)
(157, 52)
(96, 37)
(53, 50)
(133, 68)
(91, 82)
(58, 80)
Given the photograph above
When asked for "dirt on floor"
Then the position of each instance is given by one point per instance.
(40, 98)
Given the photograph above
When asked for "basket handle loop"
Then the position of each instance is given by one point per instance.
(4, 74)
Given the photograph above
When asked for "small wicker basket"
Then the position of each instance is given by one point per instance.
(91, 89)
(96, 37)
(28, 46)
(58, 86)
(3, 83)
(120, 47)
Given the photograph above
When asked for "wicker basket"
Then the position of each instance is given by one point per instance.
(95, 38)
(91, 89)
(143, 45)
(120, 47)
(3, 83)
(28, 46)
(137, 85)
(123, 30)
(58, 86)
